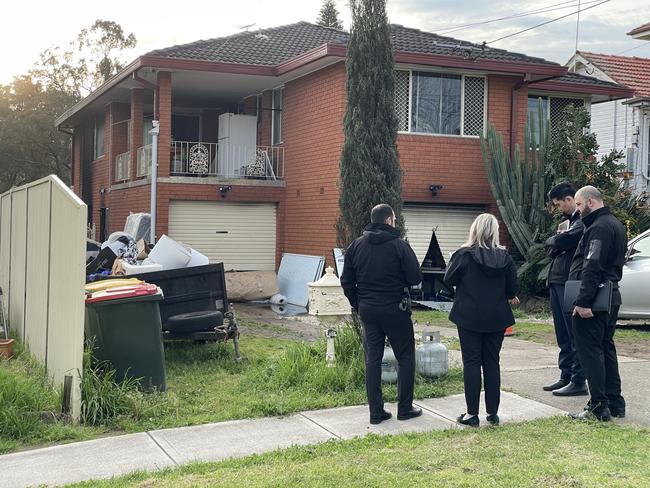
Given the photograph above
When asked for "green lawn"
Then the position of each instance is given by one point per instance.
(206, 384)
(547, 453)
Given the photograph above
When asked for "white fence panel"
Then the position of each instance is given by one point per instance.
(17, 266)
(42, 260)
(37, 265)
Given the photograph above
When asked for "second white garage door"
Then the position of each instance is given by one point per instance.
(450, 223)
(241, 235)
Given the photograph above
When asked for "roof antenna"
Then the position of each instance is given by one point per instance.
(259, 35)
(248, 26)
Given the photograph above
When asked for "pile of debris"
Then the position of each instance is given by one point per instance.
(126, 253)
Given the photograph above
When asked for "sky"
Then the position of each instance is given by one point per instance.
(30, 26)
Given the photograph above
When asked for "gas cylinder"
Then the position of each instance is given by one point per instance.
(388, 365)
(431, 358)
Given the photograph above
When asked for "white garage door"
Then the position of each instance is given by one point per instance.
(241, 235)
(450, 223)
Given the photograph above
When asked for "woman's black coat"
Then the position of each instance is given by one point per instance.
(485, 279)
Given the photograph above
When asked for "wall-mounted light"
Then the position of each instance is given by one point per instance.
(224, 189)
(434, 189)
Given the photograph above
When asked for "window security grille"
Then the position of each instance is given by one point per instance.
(559, 104)
(402, 81)
(474, 103)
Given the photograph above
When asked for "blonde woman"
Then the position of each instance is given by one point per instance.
(486, 284)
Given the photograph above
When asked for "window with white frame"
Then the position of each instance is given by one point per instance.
(98, 150)
(276, 123)
(440, 103)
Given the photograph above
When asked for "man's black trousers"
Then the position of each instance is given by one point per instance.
(594, 339)
(481, 352)
(570, 369)
(379, 323)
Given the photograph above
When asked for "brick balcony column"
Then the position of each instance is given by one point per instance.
(136, 129)
(165, 119)
(77, 163)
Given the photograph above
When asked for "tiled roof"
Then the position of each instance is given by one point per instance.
(279, 44)
(638, 30)
(629, 71)
(585, 80)
(264, 47)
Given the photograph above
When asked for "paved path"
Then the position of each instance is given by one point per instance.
(526, 367)
(150, 451)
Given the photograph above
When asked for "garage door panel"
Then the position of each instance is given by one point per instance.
(451, 225)
(242, 235)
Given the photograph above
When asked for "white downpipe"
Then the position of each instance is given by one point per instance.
(154, 177)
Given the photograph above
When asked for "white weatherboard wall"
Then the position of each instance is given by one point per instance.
(241, 235)
(450, 223)
(42, 266)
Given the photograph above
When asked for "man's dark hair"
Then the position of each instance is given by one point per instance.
(380, 213)
(561, 191)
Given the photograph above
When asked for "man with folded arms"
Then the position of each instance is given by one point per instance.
(599, 258)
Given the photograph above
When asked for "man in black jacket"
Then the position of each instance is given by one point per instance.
(598, 258)
(379, 266)
(561, 248)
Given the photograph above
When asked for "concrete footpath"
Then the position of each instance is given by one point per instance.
(526, 367)
(154, 450)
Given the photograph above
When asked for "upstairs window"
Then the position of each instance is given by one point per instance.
(98, 146)
(551, 111)
(276, 123)
(440, 103)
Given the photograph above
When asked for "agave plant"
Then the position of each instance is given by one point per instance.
(519, 188)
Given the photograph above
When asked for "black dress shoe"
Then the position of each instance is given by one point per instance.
(617, 412)
(602, 414)
(493, 419)
(555, 386)
(378, 420)
(572, 389)
(472, 421)
(409, 414)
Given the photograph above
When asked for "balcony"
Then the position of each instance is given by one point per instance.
(122, 167)
(226, 160)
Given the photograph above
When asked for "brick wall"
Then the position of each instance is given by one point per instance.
(136, 128)
(313, 110)
(77, 163)
(165, 118)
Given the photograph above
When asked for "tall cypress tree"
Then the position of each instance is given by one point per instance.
(370, 168)
(329, 16)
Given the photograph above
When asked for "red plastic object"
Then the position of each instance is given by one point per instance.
(116, 293)
(510, 331)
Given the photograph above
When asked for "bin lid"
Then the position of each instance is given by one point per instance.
(121, 292)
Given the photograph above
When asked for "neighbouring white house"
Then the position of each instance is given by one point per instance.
(624, 124)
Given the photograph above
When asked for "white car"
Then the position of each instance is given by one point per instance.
(635, 284)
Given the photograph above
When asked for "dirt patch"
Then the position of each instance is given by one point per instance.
(261, 320)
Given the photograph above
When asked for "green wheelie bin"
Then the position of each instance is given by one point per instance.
(124, 325)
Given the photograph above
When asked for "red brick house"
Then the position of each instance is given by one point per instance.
(246, 187)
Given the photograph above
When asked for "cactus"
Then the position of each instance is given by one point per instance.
(519, 186)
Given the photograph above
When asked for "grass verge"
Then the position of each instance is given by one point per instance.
(29, 405)
(206, 384)
(547, 453)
